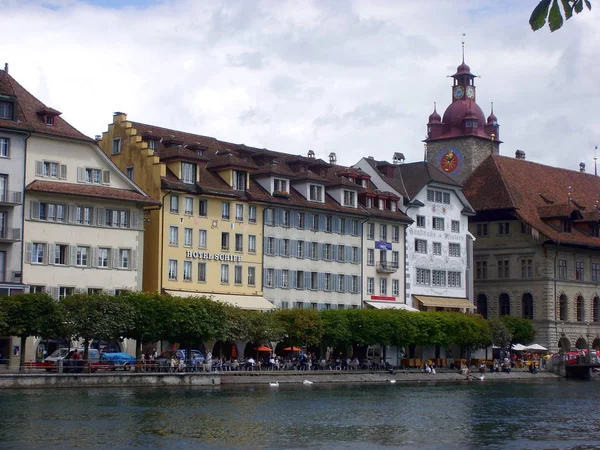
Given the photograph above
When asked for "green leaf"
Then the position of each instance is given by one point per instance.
(539, 14)
(568, 8)
(578, 6)
(555, 19)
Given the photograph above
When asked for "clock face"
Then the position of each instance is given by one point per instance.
(459, 92)
(450, 161)
(470, 91)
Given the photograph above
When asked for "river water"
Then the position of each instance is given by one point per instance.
(555, 414)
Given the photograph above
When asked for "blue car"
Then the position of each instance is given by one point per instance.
(118, 360)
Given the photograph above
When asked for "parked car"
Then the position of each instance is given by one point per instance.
(197, 357)
(114, 361)
(69, 363)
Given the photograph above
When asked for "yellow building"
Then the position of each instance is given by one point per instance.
(207, 237)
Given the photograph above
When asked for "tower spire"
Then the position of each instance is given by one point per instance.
(463, 47)
(595, 161)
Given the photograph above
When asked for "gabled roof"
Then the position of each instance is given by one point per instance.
(536, 193)
(29, 110)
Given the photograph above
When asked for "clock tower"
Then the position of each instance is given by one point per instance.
(460, 140)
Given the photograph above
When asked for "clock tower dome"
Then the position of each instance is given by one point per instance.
(462, 138)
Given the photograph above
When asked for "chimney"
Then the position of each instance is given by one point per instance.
(520, 154)
(582, 167)
(332, 158)
(98, 137)
(398, 158)
(311, 154)
(370, 157)
(6, 67)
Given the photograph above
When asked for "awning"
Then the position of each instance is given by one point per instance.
(391, 305)
(253, 302)
(445, 302)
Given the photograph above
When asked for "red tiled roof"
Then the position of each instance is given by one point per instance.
(26, 112)
(180, 153)
(527, 188)
(86, 190)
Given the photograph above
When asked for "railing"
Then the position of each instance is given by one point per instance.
(387, 267)
(10, 234)
(11, 197)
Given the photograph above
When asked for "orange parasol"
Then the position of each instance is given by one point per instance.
(263, 348)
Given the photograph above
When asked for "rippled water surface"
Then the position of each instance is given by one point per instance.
(555, 414)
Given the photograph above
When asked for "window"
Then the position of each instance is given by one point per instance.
(280, 185)
(285, 218)
(421, 221)
(239, 180)
(270, 250)
(370, 231)
(369, 202)
(93, 176)
(188, 209)
(423, 276)
(328, 224)
(315, 193)
(395, 288)
(83, 215)
(6, 110)
(381, 204)
(49, 169)
(285, 278)
(201, 272)
(525, 228)
(482, 229)
(225, 241)
(129, 172)
(354, 229)
(327, 252)
(269, 217)
(438, 196)
(51, 212)
(370, 286)
(299, 279)
(201, 238)
(151, 144)
(355, 255)
(481, 270)
(438, 223)
(438, 278)
(454, 279)
(566, 225)
(187, 271)
(526, 268)
(455, 226)
(251, 276)
(202, 208)
(315, 222)
(252, 214)
(224, 273)
(437, 248)
(420, 246)
(579, 270)
(188, 237)
(124, 254)
(116, 146)
(395, 233)
(225, 211)
(239, 242)
(61, 254)
(503, 268)
(328, 282)
(349, 198)
(4, 147)
(300, 220)
(382, 286)
(251, 243)
(383, 232)
(314, 250)
(188, 173)
(173, 235)
(172, 269)
(237, 275)
(103, 257)
(595, 272)
(342, 225)
(562, 269)
(64, 292)
(341, 253)
(174, 204)
(454, 249)
(314, 278)
(239, 212)
(82, 255)
(395, 260)
(341, 283)
(504, 228)
(370, 257)
(299, 249)
(269, 277)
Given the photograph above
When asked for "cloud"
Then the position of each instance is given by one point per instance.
(367, 115)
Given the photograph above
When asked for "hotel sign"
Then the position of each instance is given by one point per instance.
(382, 245)
(213, 256)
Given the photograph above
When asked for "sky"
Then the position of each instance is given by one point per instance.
(358, 78)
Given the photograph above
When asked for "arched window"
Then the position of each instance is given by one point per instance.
(596, 309)
(504, 305)
(482, 305)
(579, 309)
(562, 307)
(527, 306)
(581, 343)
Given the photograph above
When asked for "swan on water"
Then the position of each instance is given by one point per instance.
(276, 384)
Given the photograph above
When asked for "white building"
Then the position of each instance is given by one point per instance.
(439, 247)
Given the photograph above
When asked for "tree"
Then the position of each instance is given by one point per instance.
(301, 326)
(522, 330)
(501, 335)
(34, 314)
(469, 331)
(336, 328)
(551, 10)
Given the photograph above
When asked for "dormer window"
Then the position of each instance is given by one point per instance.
(369, 202)
(280, 185)
(239, 180)
(151, 144)
(351, 179)
(381, 204)
(49, 120)
(471, 123)
(393, 205)
(188, 172)
(566, 225)
(315, 193)
(7, 110)
(350, 198)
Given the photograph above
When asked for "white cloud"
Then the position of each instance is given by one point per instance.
(358, 78)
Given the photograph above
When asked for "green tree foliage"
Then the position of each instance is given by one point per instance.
(264, 328)
(501, 335)
(469, 331)
(521, 329)
(336, 328)
(34, 314)
(194, 320)
(301, 326)
(554, 10)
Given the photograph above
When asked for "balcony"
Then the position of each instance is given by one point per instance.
(11, 198)
(386, 267)
(10, 234)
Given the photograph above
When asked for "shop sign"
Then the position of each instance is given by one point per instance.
(213, 256)
(382, 245)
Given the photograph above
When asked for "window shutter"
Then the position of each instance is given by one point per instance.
(321, 251)
(73, 254)
(292, 280)
(334, 250)
(348, 283)
(321, 281)
(100, 217)
(115, 258)
(308, 221)
(94, 261)
(53, 292)
(72, 216)
(280, 246)
(39, 169)
(81, 174)
(106, 176)
(293, 219)
(307, 280)
(50, 256)
(63, 171)
(293, 248)
(277, 278)
(134, 219)
(28, 252)
(278, 216)
(133, 264)
(265, 245)
(348, 254)
(336, 224)
(321, 223)
(34, 210)
(264, 276)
